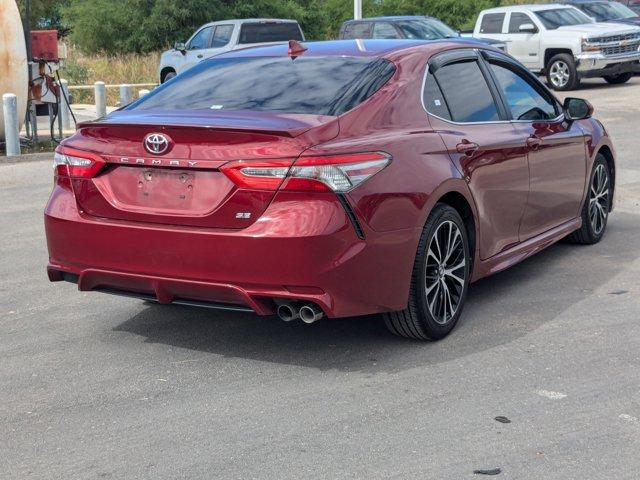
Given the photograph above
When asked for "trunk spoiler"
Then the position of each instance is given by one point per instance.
(280, 124)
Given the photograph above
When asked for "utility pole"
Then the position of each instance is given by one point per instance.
(357, 9)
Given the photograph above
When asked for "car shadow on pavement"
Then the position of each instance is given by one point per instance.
(500, 309)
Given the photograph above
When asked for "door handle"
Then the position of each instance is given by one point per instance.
(466, 147)
(200, 56)
(533, 142)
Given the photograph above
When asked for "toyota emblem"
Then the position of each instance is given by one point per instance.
(156, 143)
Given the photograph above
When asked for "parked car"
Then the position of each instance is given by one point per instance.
(632, 4)
(406, 27)
(605, 11)
(364, 177)
(563, 43)
(219, 37)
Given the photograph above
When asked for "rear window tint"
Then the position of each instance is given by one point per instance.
(269, 32)
(492, 23)
(314, 85)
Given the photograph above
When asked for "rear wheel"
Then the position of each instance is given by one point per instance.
(439, 281)
(562, 74)
(595, 211)
(618, 79)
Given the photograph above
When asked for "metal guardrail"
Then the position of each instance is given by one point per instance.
(10, 114)
(132, 85)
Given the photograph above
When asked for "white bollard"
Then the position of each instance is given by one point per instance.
(11, 129)
(142, 93)
(126, 95)
(101, 98)
(65, 109)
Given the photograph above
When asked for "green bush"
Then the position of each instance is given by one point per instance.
(123, 26)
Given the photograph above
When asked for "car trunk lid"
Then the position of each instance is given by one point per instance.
(184, 185)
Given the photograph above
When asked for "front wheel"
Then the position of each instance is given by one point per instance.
(595, 211)
(562, 74)
(440, 279)
(618, 79)
(168, 76)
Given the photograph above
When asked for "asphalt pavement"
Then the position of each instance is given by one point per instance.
(96, 386)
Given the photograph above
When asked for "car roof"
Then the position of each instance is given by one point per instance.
(240, 21)
(349, 48)
(391, 18)
(528, 8)
(585, 1)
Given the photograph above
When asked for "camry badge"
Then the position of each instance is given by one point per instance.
(156, 143)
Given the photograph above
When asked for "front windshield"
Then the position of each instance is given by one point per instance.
(603, 12)
(561, 17)
(426, 29)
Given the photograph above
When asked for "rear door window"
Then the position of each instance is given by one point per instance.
(269, 32)
(384, 30)
(221, 36)
(314, 85)
(358, 30)
(434, 100)
(466, 93)
(492, 23)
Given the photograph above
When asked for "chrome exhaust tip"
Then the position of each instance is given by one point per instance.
(310, 313)
(287, 312)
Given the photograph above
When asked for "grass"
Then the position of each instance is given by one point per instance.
(81, 69)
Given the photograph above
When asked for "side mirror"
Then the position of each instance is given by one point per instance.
(181, 47)
(527, 28)
(577, 109)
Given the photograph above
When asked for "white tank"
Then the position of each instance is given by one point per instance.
(14, 77)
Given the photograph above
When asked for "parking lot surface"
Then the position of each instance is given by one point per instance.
(95, 386)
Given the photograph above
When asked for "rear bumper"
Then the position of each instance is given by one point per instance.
(302, 248)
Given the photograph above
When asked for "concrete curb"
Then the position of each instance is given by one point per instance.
(29, 157)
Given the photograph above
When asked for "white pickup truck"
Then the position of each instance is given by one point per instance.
(563, 43)
(219, 37)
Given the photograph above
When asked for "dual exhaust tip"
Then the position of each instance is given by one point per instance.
(307, 312)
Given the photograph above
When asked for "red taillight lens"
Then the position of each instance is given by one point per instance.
(337, 173)
(69, 162)
(257, 175)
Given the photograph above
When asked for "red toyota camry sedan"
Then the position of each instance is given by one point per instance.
(329, 179)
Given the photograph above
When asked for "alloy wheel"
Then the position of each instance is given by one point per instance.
(559, 74)
(599, 199)
(445, 272)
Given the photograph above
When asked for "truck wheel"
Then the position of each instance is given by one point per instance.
(168, 76)
(618, 79)
(561, 72)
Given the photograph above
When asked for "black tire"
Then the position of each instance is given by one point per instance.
(562, 62)
(618, 79)
(591, 233)
(417, 321)
(168, 76)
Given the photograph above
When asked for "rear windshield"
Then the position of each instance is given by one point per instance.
(314, 85)
(269, 32)
(561, 17)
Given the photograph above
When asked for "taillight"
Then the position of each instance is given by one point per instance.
(331, 173)
(69, 162)
(257, 175)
